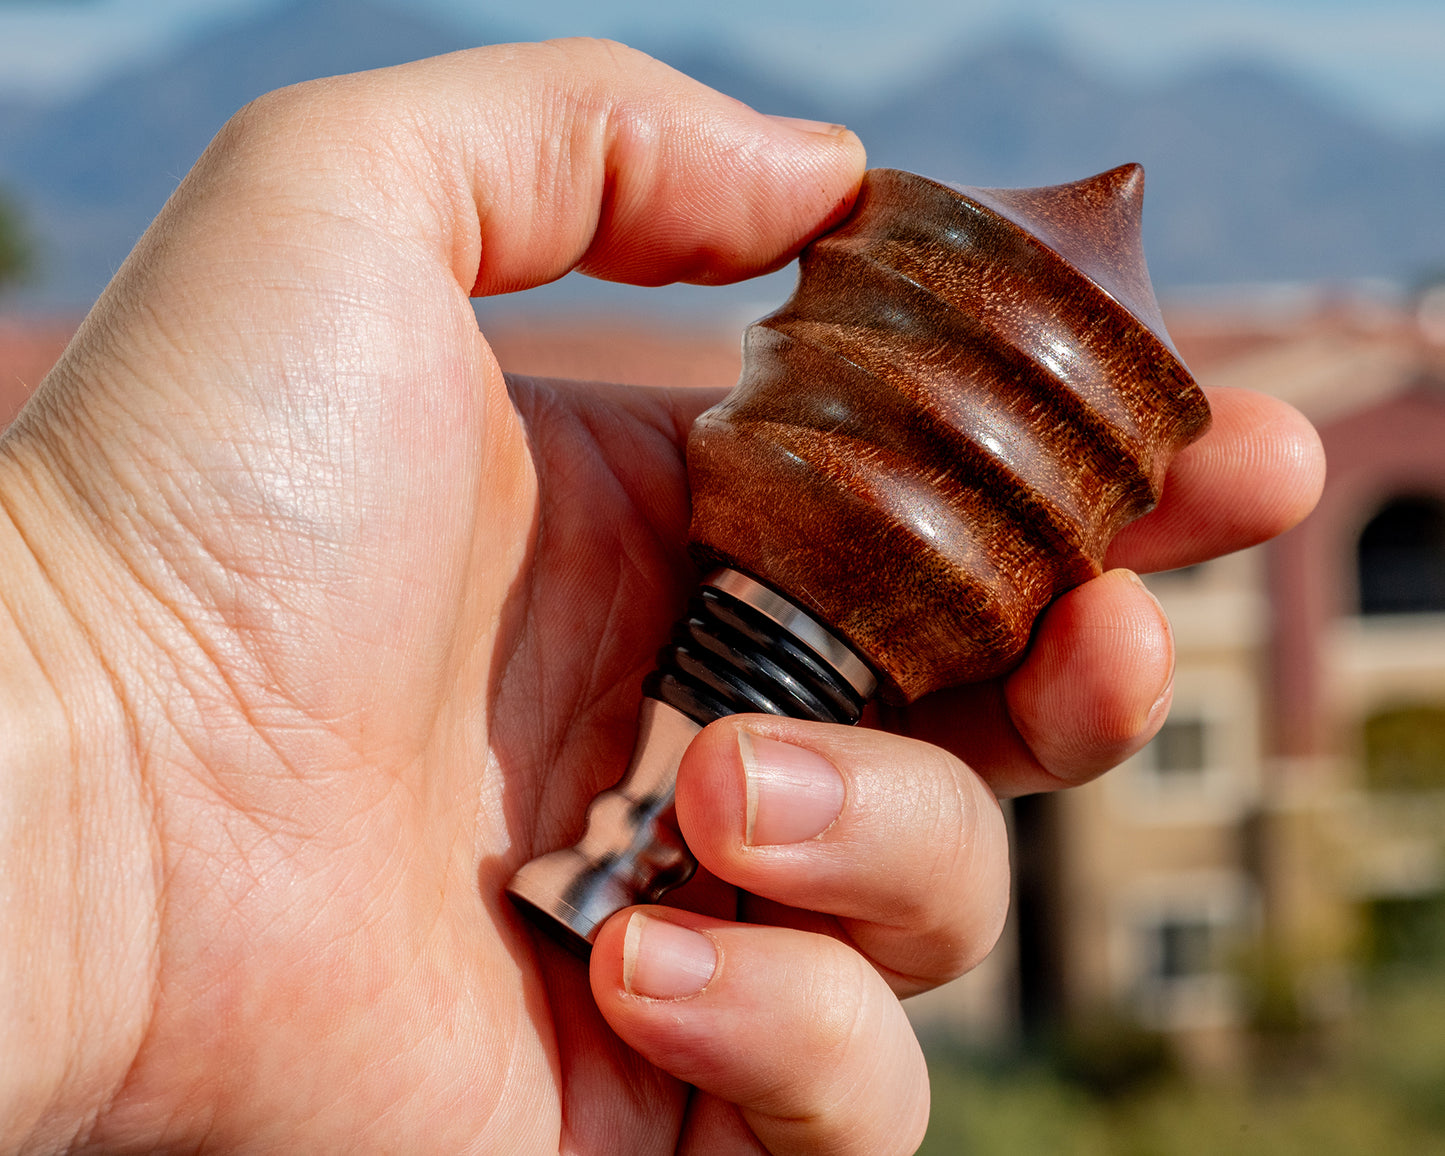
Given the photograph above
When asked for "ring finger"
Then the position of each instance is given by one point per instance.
(899, 842)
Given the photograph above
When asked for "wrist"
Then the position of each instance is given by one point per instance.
(78, 914)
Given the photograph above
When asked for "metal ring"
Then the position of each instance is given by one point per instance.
(801, 625)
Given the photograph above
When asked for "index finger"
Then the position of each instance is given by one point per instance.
(526, 161)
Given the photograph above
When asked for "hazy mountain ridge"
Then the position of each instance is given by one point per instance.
(1251, 176)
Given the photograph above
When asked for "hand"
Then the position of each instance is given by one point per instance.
(314, 628)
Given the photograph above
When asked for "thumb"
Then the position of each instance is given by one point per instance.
(519, 163)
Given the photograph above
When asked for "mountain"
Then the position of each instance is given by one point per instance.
(1252, 176)
(93, 172)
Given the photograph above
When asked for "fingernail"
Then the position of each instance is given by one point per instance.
(821, 127)
(1162, 703)
(792, 793)
(662, 960)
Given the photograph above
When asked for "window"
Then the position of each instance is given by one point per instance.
(1182, 763)
(1201, 769)
(1402, 558)
(1177, 752)
(1184, 948)
(1182, 941)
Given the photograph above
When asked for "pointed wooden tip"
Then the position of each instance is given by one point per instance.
(1096, 225)
(1124, 184)
(1110, 206)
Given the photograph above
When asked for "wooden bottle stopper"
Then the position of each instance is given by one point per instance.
(970, 392)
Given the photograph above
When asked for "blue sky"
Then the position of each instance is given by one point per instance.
(1385, 57)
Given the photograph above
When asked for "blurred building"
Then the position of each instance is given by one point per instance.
(1290, 816)
(1288, 822)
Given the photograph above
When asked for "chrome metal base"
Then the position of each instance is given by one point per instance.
(631, 851)
(746, 648)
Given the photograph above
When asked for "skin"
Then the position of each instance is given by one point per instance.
(313, 627)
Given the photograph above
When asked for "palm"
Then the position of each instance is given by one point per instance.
(423, 679)
(607, 579)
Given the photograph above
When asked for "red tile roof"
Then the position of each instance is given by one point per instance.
(626, 352)
(28, 349)
(1216, 344)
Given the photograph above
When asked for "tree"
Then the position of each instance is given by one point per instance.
(15, 250)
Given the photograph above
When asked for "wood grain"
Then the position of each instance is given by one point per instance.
(970, 392)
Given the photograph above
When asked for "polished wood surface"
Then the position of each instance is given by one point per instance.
(970, 392)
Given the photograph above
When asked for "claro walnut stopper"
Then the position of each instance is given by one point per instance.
(970, 392)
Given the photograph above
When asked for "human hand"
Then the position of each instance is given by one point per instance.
(316, 629)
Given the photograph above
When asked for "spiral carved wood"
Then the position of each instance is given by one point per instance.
(969, 394)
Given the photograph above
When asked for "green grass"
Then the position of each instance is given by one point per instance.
(1382, 1093)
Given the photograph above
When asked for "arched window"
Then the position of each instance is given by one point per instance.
(1402, 558)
